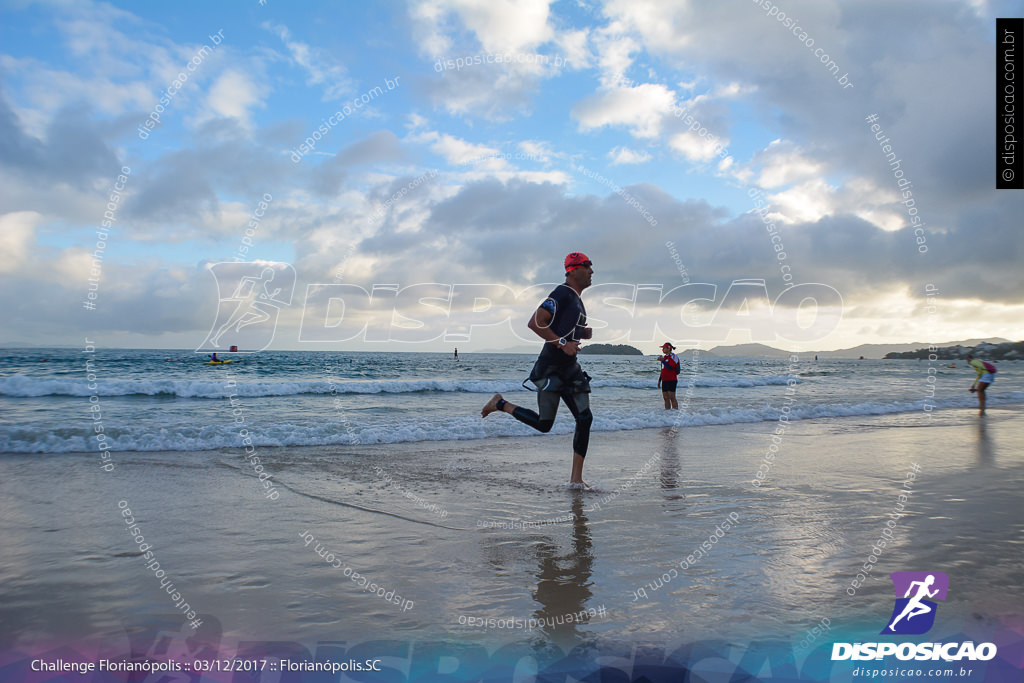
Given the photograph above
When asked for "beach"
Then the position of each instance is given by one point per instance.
(277, 276)
(481, 543)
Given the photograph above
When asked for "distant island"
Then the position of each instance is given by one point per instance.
(611, 350)
(865, 350)
(984, 350)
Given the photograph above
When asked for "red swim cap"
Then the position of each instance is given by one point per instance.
(575, 260)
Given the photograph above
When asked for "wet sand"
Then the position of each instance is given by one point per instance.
(483, 543)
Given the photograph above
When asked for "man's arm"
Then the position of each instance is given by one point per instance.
(540, 323)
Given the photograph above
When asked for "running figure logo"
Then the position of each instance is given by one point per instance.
(914, 613)
(250, 297)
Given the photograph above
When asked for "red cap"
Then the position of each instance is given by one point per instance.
(575, 260)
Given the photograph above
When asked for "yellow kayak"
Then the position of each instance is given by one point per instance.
(217, 362)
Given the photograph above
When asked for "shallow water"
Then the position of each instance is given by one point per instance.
(170, 401)
(477, 530)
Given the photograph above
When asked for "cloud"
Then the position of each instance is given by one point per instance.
(512, 26)
(695, 147)
(457, 151)
(17, 235)
(490, 57)
(537, 150)
(183, 188)
(321, 68)
(784, 163)
(625, 155)
(641, 109)
(497, 92)
(75, 148)
(46, 90)
(575, 49)
(615, 51)
(233, 94)
(503, 204)
(381, 147)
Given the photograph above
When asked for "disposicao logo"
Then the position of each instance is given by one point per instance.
(914, 614)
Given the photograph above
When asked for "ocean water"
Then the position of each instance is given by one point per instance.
(56, 400)
(486, 528)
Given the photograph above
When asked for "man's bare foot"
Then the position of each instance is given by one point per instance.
(491, 406)
(580, 486)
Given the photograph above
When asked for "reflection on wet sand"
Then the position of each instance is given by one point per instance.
(986, 450)
(564, 581)
(669, 478)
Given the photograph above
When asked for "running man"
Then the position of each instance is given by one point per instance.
(561, 322)
(986, 375)
(669, 376)
(915, 606)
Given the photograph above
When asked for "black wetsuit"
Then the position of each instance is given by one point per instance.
(558, 375)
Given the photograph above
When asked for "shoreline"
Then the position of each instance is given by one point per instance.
(515, 541)
(929, 419)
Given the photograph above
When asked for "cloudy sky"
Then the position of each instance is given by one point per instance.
(418, 149)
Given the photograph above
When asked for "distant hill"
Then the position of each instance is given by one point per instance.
(984, 351)
(880, 350)
(699, 352)
(610, 350)
(873, 351)
(748, 351)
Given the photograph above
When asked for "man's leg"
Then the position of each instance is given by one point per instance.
(492, 406)
(547, 404)
(577, 469)
(579, 406)
(675, 403)
(664, 396)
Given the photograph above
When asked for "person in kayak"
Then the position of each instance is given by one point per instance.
(561, 321)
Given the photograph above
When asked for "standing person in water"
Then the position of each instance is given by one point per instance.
(560, 321)
(456, 353)
(986, 375)
(669, 376)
